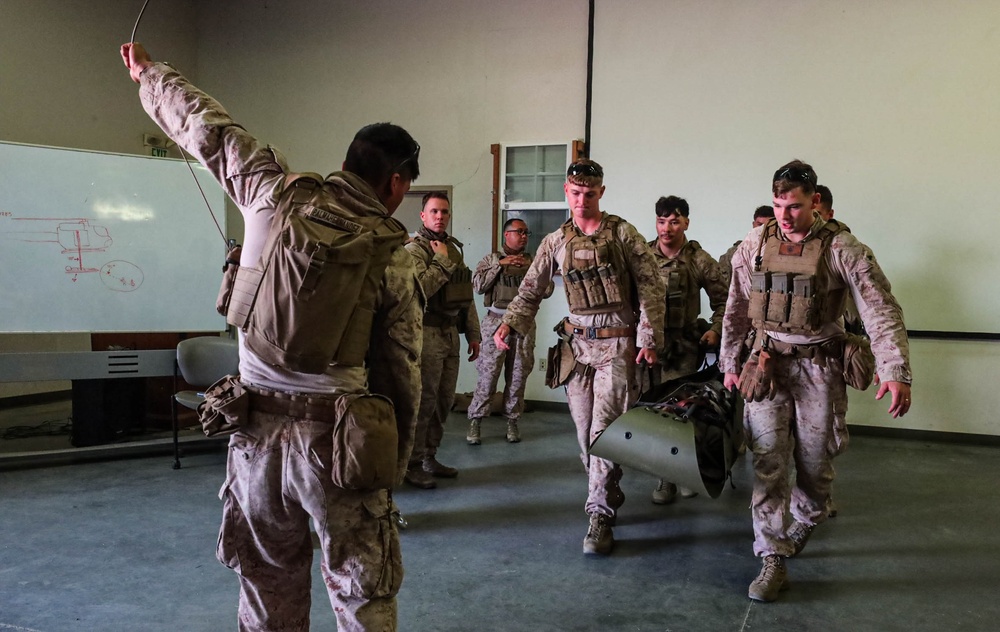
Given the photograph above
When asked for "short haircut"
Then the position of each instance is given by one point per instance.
(510, 222)
(763, 211)
(672, 205)
(793, 175)
(380, 150)
(825, 195)
(434, 195)
(585, 173)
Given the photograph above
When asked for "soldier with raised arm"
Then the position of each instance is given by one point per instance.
(296, 456)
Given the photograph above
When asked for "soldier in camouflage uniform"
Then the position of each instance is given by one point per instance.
(786, 303)
(600, 257)
(447, 284)
(279, 466)
(760, 217)
(497, 277)
(686, 270)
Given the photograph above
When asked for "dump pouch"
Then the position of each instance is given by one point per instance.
(365, 443)
(859, 362)
(226, 407)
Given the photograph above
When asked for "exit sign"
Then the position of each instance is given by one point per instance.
(158, 152)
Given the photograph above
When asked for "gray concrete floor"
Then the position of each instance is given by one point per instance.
(129, 545)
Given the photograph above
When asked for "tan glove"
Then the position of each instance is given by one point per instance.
(756, 382)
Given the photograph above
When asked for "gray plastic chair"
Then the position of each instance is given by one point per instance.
(201, 361)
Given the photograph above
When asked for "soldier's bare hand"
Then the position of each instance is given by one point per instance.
(710, 339)
(514, 260)
(900, 404)
(439, 248)
(500, 337)
(646, 355)
(473, 351)
(731, 381)
(136, 59)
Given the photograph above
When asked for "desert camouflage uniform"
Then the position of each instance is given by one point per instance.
(799, 423)
(598, 399)
(278, 471)
(682, 338)
(516, 363)
(441, 349)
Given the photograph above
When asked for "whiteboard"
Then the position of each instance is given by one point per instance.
(896, 110)
(100, 242)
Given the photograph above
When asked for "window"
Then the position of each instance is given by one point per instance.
(530, 179)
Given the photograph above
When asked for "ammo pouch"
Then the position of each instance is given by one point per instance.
(859, 362)
(457, 292)
(365, 443)
(226, 407)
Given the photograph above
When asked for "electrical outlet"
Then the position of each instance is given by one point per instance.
(541, 363)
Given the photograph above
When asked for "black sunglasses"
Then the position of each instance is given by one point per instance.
(584, 169)
(796, 174)
(412, 158)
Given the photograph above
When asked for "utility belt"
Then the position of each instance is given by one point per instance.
(437, 319)
(299, 405)
(596, 333)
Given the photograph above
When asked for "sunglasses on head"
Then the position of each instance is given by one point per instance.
(412, 158)
(796, 174)
(584, 169)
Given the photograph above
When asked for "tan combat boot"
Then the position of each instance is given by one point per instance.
(432, 467)
(799, 534)
(600, 538)
(473, 437)
(773, 578)
(665, 493)
(513, 435)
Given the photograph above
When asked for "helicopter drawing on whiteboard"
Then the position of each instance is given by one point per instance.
(78, 240)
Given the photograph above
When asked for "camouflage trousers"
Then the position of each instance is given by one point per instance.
(438, 378)
(594, 402)
(516, 364)
(277, 479)
(798, 427)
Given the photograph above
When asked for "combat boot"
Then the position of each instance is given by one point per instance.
(773, 578)
(665, 493)
(432, 467)
(513, 434)
(416, 476)
(473, 437)
(687, 492)
(799, 534)
(600, 538)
